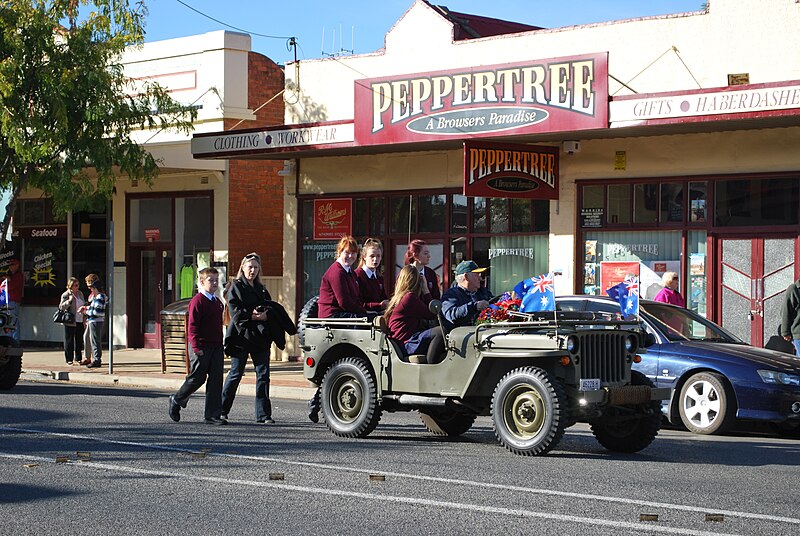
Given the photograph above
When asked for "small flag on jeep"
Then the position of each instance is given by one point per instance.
(627, 295)
(537, 294)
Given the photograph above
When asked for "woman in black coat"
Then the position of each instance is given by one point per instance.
(248, 334)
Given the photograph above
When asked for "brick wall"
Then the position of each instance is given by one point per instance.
(255, 210)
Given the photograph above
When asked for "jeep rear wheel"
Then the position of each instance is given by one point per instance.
(446, 423)
(629, 429)
(349, 399)
(529, 411)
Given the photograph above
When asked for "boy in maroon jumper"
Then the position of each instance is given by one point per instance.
(370, 283)
(206, 357)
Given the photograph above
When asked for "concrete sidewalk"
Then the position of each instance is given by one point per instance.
(142, 368)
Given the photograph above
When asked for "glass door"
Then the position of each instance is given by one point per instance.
(154, 290)
(754, 274)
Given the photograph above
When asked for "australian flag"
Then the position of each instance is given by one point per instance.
(4, 292)
(627, 294)
(537, 294)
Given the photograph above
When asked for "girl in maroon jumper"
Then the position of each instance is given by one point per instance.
(338, 293)
(370, 283)
(419, 255)
(406, 314)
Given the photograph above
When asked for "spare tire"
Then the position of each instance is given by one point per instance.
(309, 310)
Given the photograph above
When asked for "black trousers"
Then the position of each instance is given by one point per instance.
(73, 342)
(207, 369)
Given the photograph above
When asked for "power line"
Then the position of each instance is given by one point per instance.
(231, 26)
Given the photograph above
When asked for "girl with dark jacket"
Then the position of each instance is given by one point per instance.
(248, 334)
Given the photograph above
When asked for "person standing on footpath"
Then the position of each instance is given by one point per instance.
(87, 340)
(248, 334)
(669, 294)
(95, 311)
(72, 300)
(206, 356)
(16, 288)
(790, 316)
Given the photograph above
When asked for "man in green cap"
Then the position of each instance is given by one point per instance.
(462, 302)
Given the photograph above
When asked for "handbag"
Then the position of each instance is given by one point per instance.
(63, 317)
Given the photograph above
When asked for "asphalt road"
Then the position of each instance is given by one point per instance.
(92, 460)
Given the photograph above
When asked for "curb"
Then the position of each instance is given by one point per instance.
(290, 392)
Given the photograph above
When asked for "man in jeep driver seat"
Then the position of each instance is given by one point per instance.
(462, 302)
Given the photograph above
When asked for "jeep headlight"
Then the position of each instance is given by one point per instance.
(572, 344)
(630, 343)
(773, 376)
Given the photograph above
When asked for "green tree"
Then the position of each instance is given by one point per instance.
(67, 111)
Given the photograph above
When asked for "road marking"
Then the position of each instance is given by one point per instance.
(414, 501)
(468, 483)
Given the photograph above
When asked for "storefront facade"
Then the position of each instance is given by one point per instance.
(151, 241)
(677, 154)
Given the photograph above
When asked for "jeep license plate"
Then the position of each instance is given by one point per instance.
(590, 384)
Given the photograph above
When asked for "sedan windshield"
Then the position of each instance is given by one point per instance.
(679, 324)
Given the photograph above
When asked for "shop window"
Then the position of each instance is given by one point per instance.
(317, 258)
(458, 214)
(608, 254)
(308, 218)
(151, 214)
(619, 204)
(89, 257)
(521, 216)
(697, 202)
(479, 215)
(645, 203)
(89, 225)
(672, 202)
(498, 214)
(750, 202)
(44, 264)
(432, 213)
(511, 259)
(36, 212)
(541, 216)
(402, 215)
(360, 217)
(377, 216)
(696, 288)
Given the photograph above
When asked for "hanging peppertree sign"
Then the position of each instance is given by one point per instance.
(506, 170)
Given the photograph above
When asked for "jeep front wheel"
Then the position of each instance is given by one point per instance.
(629, 429)
(349, 399)
(529, 411)
(446, 422)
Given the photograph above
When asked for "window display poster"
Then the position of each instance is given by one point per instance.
(590, 247)
(651, 279)
(697, 264)
(614, 272)
(333, 218)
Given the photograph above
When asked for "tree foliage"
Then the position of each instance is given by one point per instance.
(67, 111)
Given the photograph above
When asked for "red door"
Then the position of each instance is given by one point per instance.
(753, 275)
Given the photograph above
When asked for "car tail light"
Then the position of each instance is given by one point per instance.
(310, 362)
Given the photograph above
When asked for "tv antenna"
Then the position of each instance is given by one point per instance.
(341, 51)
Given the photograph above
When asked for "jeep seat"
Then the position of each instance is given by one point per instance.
(399, 348)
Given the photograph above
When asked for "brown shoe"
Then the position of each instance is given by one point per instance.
(86, 362)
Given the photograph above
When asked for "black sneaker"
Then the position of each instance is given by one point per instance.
(216, 420)
(94, 364)
(174, 409)
(313, 410)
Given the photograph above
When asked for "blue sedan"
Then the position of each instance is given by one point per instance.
(715, 378)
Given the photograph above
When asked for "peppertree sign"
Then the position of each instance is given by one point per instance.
(505, 170)
(560, 94)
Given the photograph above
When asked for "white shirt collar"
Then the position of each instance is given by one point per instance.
(207, 295)
(346, 268)
(370, 273)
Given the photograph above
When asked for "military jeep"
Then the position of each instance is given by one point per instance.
(534, 376)
(10, 352)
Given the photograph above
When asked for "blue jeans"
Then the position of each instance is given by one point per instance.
(796, 343)
(96, 335)
(261, 363)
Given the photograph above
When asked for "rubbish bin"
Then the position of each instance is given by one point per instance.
(174, 342)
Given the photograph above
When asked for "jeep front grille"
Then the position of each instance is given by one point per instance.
(603, 355)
